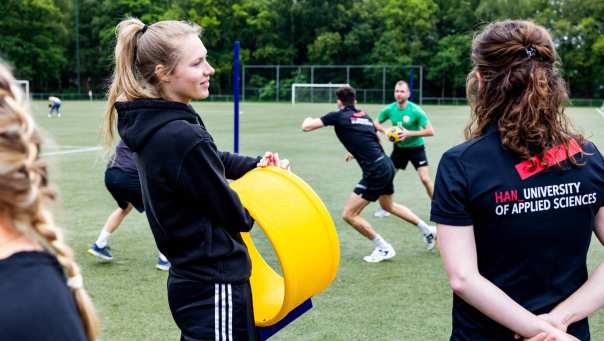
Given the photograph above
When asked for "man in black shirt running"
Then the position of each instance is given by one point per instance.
(357, 132)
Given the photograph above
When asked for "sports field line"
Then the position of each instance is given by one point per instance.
(74, 151)
(218, 112)
(72, 147)
(600, 112)
(64, 147)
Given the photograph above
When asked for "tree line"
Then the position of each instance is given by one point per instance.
(38, 37)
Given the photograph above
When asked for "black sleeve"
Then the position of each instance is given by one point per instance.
(330, 119)
(202, 178)
(592, 157)
(450, 204)
(235, 165)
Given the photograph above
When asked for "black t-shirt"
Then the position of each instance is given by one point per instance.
(532, 228)
(123, 159)
(35, 302)
(357, 133)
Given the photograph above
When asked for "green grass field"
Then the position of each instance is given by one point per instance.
(407, 298)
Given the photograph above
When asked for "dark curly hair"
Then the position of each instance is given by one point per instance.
(516, 84)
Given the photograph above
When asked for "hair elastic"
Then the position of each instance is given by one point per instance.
(75, 282)
(530, 51)
(145, 27)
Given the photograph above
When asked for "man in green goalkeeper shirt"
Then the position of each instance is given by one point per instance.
(415, 125)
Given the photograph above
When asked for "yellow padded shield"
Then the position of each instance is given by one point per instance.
(302, 234)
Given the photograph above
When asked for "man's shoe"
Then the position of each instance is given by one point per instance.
(103, 253)
(380, 254)
(381, 213)
(430, 239)
(163, 265)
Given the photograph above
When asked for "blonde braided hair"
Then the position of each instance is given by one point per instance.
(25, 192)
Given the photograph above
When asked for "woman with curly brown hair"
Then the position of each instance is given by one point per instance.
(41, 291)
(517, 202)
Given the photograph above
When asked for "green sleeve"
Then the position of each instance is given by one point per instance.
(384, 115)
(422, 117)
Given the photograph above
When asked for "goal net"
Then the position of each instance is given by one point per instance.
(314, 93)
(24, 84)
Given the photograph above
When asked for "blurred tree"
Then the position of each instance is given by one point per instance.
(34, 39)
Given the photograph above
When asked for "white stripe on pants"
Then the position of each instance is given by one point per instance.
(230, 313)
(216, 316)
(223, 312)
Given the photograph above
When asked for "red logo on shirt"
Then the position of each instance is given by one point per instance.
(550, 157)
(507, 196)
(359, 114)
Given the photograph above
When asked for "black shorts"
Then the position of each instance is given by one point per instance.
(377, 179)
(125, 187)
(401, 157)
(212, 311)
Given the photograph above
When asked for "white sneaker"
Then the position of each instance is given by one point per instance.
(380, 254)
(163, 265)
(381, 213)
(430, 238)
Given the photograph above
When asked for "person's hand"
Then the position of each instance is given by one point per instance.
(272, 159)
(551, 319)
(542, 337)
(305, 122)
(558, 335)
(348, 157)
(402, 134)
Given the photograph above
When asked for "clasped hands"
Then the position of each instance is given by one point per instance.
(559, 334)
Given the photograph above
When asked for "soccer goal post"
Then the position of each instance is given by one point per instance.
(314, 92)
(24, 84)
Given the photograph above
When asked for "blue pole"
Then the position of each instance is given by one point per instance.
(411, 84)
(236, 96)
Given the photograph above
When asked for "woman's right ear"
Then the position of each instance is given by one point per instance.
(161, 73)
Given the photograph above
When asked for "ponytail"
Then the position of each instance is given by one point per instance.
(139, 49)
(125, 81)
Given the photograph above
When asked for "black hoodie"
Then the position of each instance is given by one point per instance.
(195, 217)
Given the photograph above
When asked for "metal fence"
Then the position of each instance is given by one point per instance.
(363, 95)
(73, 96)
(574, 102)
(374, 83)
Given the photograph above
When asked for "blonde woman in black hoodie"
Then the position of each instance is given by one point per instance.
(195, 217)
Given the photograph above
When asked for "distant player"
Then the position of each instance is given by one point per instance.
(54, 103)
(409, 116)
(122, 181)
(357, 132)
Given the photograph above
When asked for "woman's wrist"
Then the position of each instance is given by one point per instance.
(563, 316)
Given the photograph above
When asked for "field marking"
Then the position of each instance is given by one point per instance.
(72, 147)
(74, 151)
(64, 147)
(600, 112)
(201, 112)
